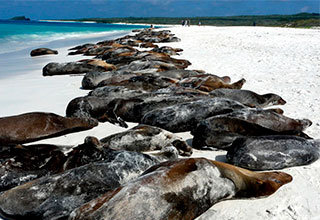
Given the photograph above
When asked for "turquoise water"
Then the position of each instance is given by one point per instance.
(17, 35)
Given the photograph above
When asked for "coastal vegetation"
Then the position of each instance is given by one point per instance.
(296, 20)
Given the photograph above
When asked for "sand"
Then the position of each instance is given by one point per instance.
(278, 60)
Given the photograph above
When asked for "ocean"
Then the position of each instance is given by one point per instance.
(18, 35)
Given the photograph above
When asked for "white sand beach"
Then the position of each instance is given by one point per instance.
(272, 60)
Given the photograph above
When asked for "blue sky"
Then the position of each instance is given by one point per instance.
(55, 9)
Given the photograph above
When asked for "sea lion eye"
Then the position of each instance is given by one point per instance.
(277, 181)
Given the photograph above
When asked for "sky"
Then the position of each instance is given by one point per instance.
(64, 9)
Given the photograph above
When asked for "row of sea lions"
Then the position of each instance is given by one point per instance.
(113, 178)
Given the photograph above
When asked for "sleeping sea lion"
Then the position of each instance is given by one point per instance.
(248, 97)
(54, 197)
(36, 126)
(220, 131)
(70, 68)
(146, 138)
(181, 189)
(273, 152)
(185, 116)
(208, 82)
(42, 51)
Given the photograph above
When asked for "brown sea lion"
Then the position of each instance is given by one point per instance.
(42, 51)
(181, 189)
(36, 126)
(210, 82)
(148, 45)
(95, 62)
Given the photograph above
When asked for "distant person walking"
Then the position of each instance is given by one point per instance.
(199, 24)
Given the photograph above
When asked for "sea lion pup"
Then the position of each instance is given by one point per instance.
(185, 116)
(146, 138)
(54, 197)
(36, 126)
(210, 82)
(248, 97)
(81, 49)
(42, 51)
(95, 62)
(181, 189)
(220, 131)
(70, 68)
(273, 152)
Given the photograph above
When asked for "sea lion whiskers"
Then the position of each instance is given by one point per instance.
(253, 184)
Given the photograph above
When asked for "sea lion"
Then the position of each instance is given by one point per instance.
(273, 152)
(134, 109)
(167, 50)
(112, 92)
(181, 189)
(20, 164)
(209, 82)
(146, 138)
(36, 126)
(70, 68)
(271, 119)
(248, 97)
(54, 197)
(220, 131)
(185, 116)
(95, 62)
(42, 51)
(144, 82)
(93, 108)
(148, 45)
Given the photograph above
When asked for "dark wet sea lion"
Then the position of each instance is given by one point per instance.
(115, 92)
(271, 119)
(36, 126)
(54, 197)
(248, 97)
(220, 131)
(181, 189)
(144, 82)
(42, 51)
(134, 109)
(146, 138)
(93, 108)
(119, 110)
(273, 152)
(20, 164)
(185, 116)
(70, 68)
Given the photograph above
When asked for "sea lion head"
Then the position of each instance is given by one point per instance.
(266, 183)
(252, 184)
(183, 148)
(274, 99)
